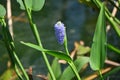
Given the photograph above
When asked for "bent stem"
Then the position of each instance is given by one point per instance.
(38, 40)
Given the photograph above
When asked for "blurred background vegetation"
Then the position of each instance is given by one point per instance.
(79, 19)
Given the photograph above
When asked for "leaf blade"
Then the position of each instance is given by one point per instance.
(79, 63)
(27, 2)
(98, 50)
(2, 11)
(34, 5)
(56, 67)
(60, 55)
(37, 4)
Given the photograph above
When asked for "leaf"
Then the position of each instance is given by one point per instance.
(82, 50)
(37, 5)
(113, 20)
(60, 55)
(34, 5)
(56, 69)
(27, 2)
(9, 73)
(98, 50)
(2, 11)
(79, 63)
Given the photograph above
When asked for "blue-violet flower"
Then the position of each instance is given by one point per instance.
(60, 32)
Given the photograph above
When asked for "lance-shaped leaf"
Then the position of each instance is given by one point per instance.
(57, 54)
(98, 50)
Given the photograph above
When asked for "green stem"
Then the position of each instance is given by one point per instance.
(113, 48)
(21, 67)
(119, 2)
(70, 63)
(10, 47)
(38, 40)
(109, 17)
(74, 70)
(18, 73)
(65, 44)
(101, 75)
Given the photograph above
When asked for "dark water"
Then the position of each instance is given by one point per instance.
(79, 20)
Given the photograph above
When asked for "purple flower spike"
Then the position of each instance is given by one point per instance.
(60, 32)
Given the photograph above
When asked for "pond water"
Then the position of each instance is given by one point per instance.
(79, 21)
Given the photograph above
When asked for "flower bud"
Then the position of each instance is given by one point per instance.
(60, 32)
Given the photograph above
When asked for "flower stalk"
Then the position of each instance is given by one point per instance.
(62, 39)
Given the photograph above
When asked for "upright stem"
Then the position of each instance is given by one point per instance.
(74, 70)
(71, 63)
(10, 47)
(101, 75)
(38, 40)
(65, 44)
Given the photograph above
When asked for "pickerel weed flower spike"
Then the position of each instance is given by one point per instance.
(60, 32)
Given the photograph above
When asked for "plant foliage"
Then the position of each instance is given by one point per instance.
(98, 50)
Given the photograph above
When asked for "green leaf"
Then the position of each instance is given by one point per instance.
(34, 5)
(113, 20)
(2, 11)
(56, 69)
(7, 74)
(27, 2)
(60, 55)
(82, 50)
(98, 50)
(37, 5)
(68, 74)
